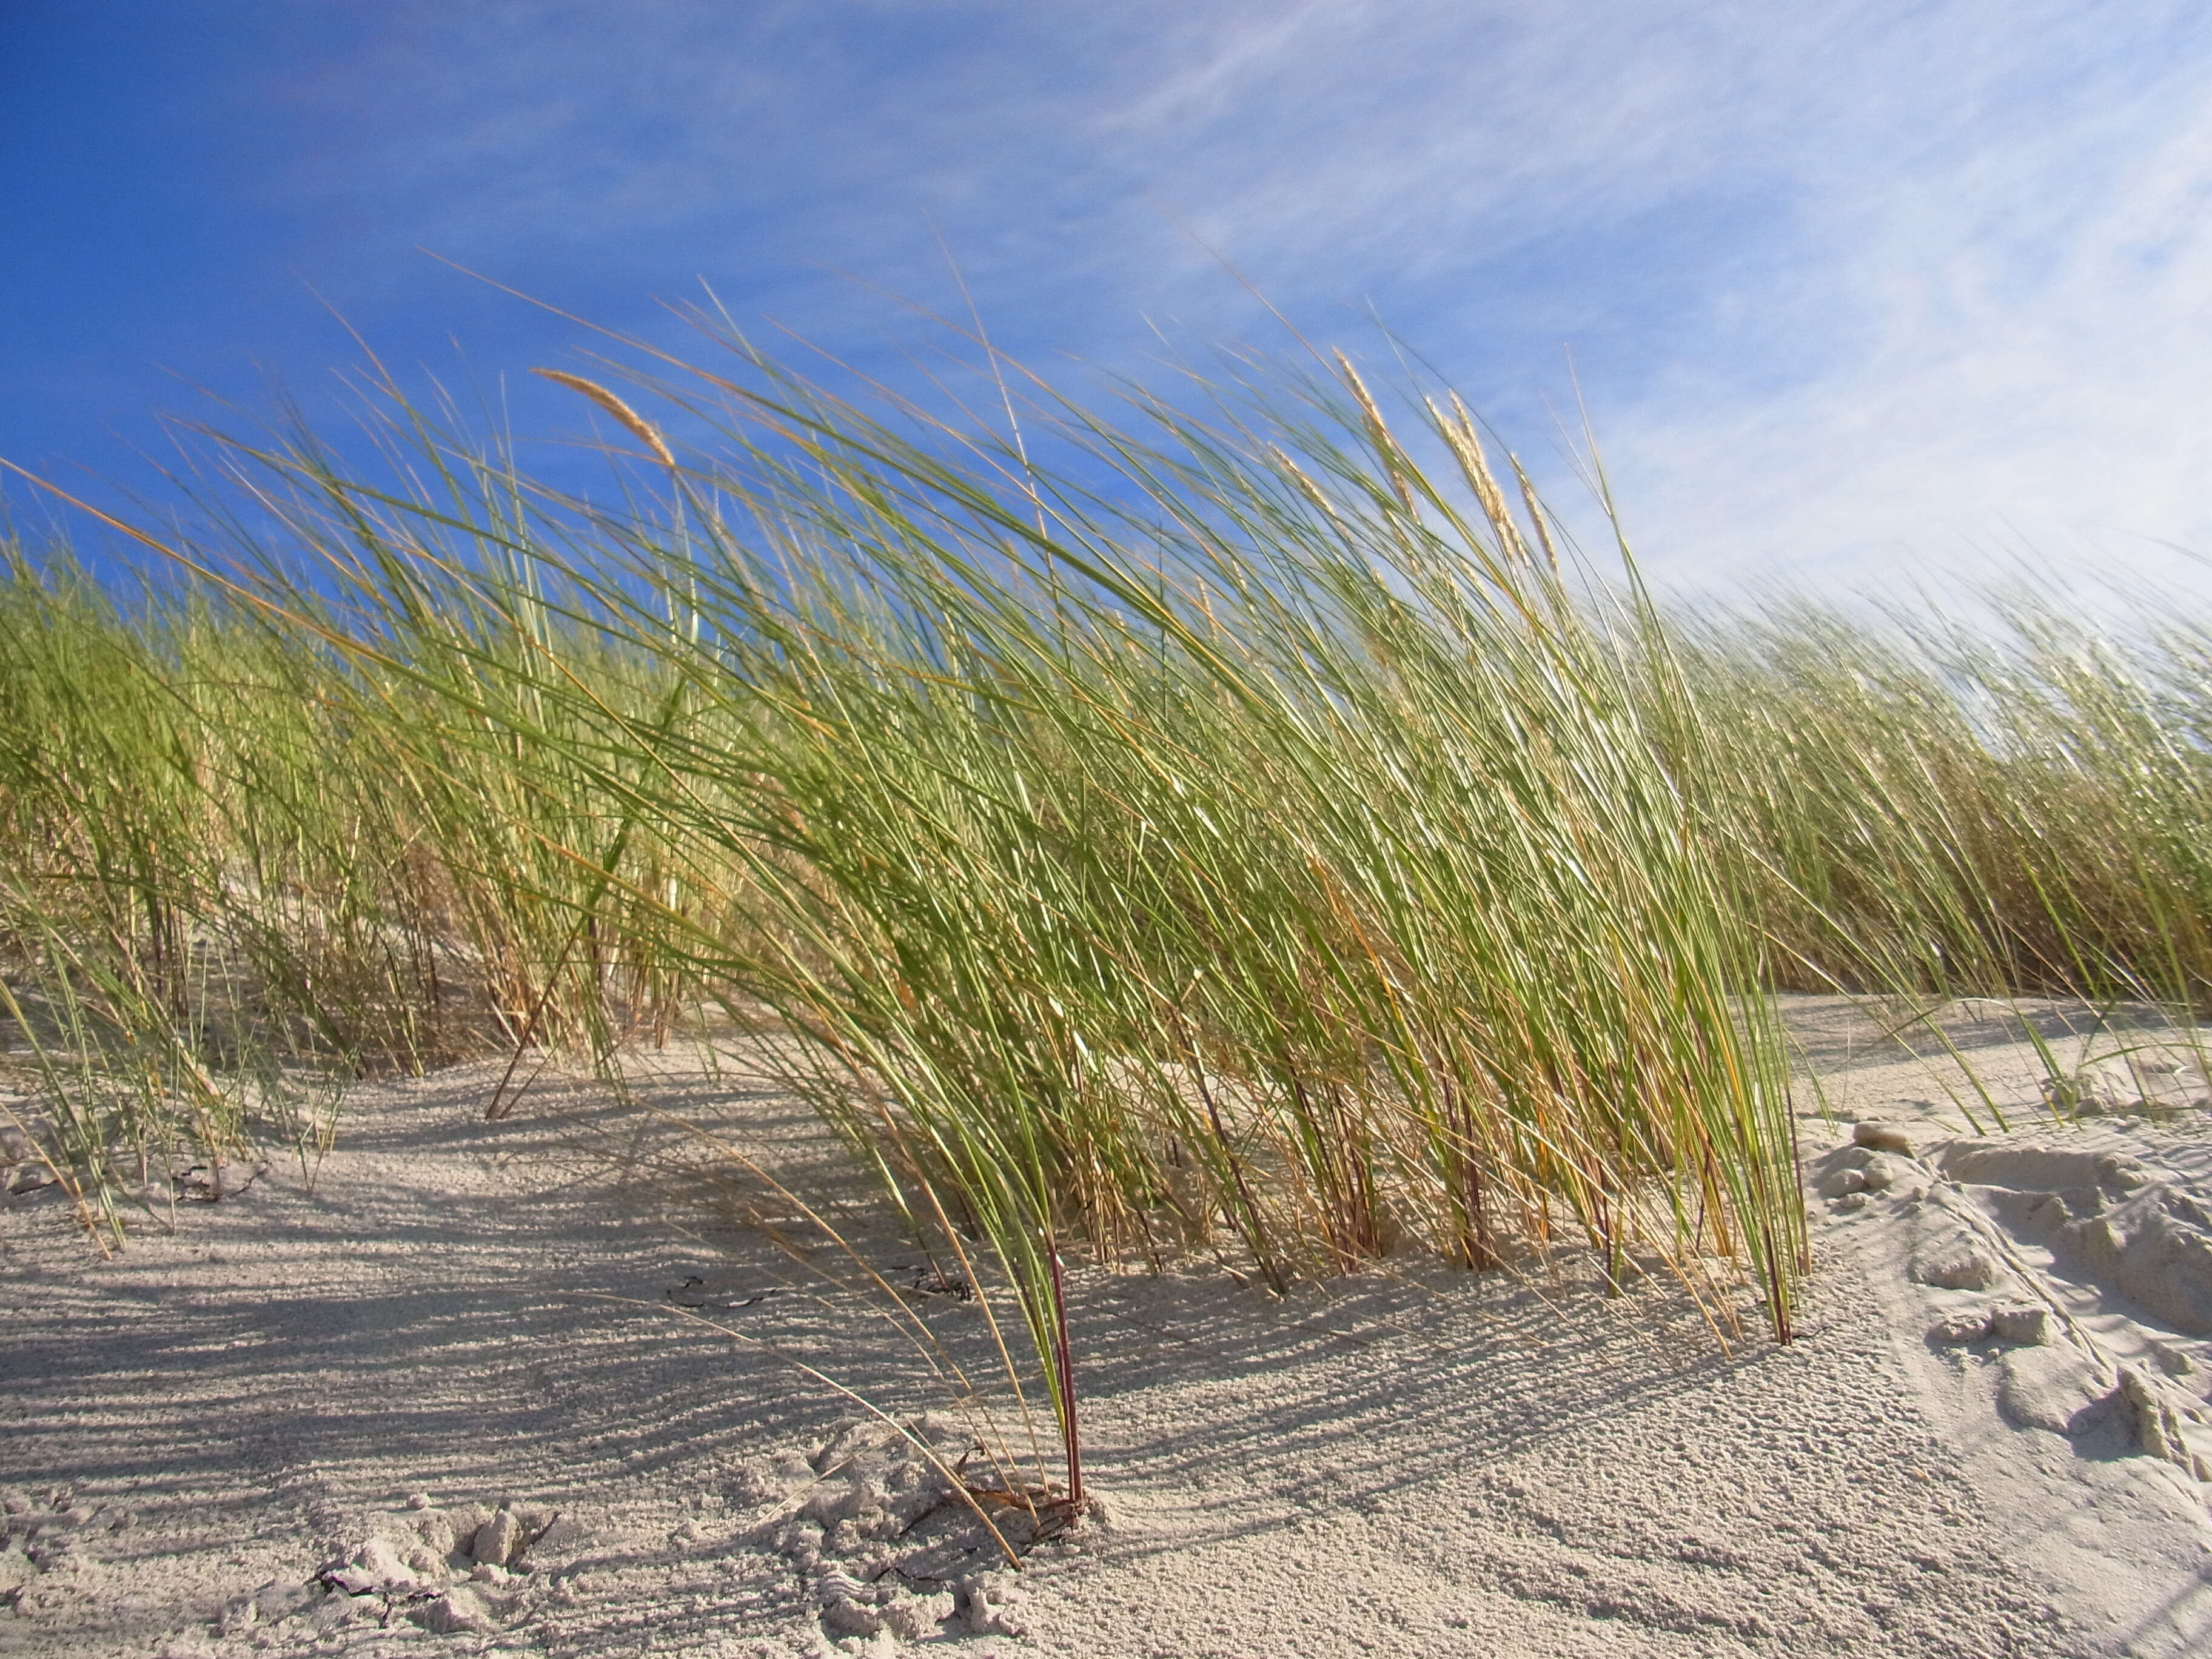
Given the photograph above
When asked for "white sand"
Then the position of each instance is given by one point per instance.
(1429, 1463)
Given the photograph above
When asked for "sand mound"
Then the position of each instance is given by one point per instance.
(456, 1396)
(2078, 1269)
(2060, 1279)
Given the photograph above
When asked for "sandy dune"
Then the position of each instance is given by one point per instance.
(455, 1395)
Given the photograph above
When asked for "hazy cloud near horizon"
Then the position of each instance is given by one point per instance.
(1850, 291)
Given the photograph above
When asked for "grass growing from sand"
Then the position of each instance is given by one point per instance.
(1227, 831)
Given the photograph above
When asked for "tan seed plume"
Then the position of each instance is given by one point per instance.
(1459, 433)
(1535, 514)
(639, 426)
(1307, 487)
(1379, 435)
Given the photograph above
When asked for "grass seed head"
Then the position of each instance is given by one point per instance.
(638, 427)
(1535, 506)
(1459, 435)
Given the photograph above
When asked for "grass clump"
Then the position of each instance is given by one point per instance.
(2019, 809)
(1232, 826)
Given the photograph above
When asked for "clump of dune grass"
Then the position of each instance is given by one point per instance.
(1936, 812)
(170, 928)
(1234, 825)
(1230, 836)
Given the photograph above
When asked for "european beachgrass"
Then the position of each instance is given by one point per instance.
(2018, 808)
(1236, 826)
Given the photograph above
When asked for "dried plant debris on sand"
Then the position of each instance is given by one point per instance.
(875, 1539)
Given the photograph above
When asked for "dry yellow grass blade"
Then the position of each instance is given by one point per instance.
(1307, 487)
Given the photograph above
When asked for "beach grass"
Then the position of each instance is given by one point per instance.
(1227, 826)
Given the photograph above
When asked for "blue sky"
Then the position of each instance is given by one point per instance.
(1856, 293)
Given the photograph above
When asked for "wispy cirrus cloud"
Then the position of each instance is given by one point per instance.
(2016, 356)
(1850, 290)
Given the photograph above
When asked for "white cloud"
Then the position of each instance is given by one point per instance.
(1849, 285)
(2029, 353)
